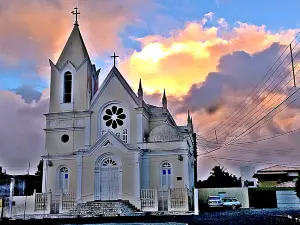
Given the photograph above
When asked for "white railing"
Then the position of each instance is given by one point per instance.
(149, 200)
(67, 202)
(41, 201)
(178, 199)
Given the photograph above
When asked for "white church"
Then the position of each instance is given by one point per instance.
(105, 143)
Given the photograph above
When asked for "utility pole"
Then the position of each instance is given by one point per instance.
(196, 194)
(11, 194)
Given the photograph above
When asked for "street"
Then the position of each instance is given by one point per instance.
(240, 216)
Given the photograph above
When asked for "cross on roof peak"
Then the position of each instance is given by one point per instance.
(76, 13)
(114, 56)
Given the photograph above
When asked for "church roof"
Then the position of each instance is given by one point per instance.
(164, 132)
(74, 50)
(115, 72)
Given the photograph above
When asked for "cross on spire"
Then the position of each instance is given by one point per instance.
(76, 13)
(114, 56)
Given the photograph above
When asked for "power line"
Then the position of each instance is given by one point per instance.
(232, 115)
(238, 121)
(262, 119)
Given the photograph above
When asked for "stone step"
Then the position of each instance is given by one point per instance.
(104, 208)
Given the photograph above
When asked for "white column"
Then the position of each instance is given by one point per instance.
(140, 132)
(196, 201)
(87, 132)
(137, 175)
(186, 171)
(44, 186)
(79, 178)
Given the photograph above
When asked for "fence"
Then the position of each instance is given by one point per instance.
(174, 199)
(149, 200)
(178, 199)
(67, 202)
(41, 201)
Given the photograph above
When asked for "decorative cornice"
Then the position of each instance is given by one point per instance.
(54, 114)
(68, 62)
(108, 138)
(63, 129)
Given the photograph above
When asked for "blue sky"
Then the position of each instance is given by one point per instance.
(275, 15)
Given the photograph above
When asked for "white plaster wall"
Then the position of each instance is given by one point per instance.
(52, 172)
(155, 170)
(240, 193)
(114, 91)
(128, 174)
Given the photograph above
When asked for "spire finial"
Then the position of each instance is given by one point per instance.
(164, 99)
(140, 90)
(189, 117)
(76, 13)
(140, 94)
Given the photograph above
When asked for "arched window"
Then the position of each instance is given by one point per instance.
(166, 175)
(67, 87)
(64, 179)
(109, 162)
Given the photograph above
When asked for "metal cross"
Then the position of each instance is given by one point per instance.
(75, 13)
(114, 56)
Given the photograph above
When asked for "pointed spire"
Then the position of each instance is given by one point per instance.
(140, 91)
(74, 50)
(140, 94)
(164, 99)
(189, 117)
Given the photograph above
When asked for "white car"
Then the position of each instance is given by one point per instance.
(230, 202)
(214, 201)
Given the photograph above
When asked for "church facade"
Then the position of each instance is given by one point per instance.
(104, 142)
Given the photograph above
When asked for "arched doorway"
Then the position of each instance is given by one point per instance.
(107, 179)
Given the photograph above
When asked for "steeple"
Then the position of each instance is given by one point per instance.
(74, 50)
(189, 117)
(140, 94)
(164, 100)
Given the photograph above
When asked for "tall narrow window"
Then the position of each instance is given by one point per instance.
(64, 179)
(67, 87)
(125, 135)
(166, 175)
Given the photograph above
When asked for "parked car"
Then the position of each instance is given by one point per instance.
(214, 201)
(231, 202)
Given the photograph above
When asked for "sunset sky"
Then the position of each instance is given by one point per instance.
(208, 54)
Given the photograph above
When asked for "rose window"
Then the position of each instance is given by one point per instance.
(114, 117)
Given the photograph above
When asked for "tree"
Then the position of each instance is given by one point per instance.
(39, 175)
(39, 172)
(220, 178)
(297, 187)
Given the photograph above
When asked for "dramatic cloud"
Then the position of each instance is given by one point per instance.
(22, 136)
(188, 55)
(28, 94)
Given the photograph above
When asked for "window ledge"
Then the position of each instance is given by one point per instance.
(67, 106)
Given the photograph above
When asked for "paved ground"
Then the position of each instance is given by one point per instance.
(239, 217)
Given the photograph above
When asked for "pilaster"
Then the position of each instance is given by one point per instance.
(137, 175)
(79, 179)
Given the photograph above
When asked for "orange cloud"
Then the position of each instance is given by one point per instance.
(189, 54)
(41, 31)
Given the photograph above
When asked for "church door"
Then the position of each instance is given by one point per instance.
(107, 180)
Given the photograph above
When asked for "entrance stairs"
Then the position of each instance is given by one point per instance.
(105, 208)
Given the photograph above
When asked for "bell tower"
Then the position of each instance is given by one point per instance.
(74, 79)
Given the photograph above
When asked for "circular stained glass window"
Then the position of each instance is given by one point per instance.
(114, 117)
